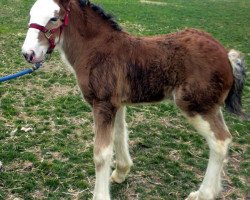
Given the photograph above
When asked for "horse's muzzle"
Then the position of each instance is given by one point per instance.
(29, 56)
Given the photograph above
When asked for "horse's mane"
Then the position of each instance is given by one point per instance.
(106, 16)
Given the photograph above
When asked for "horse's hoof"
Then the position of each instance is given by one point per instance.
(193, 196)
(101, 197)
(201, 195)
(117, 178)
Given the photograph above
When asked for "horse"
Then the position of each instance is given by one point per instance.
(115, 69)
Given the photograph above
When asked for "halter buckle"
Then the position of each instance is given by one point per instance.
(48, 34)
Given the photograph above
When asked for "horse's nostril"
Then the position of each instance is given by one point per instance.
(29, 56)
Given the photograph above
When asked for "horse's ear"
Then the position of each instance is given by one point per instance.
(84, 3)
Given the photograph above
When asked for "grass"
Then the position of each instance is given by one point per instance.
(46, 128)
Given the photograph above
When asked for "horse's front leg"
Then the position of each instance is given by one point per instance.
(104, 117)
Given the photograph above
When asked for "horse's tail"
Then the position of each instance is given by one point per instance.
(234, 99)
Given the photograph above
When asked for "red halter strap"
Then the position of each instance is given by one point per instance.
(48, 33)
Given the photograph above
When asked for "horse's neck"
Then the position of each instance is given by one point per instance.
(81, 36)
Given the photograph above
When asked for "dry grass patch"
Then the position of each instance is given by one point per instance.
(39, 195)
(134, 27)
(159, 3)
(19, 166)
(154, 2)
(58, 90)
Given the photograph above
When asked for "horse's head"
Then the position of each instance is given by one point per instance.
(47, 18)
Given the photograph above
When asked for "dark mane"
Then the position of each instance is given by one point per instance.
(106, 16)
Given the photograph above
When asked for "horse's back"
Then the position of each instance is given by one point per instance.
(190, 65)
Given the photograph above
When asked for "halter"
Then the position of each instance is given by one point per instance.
(48, 33)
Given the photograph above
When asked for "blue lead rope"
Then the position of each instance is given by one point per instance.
(21, 73)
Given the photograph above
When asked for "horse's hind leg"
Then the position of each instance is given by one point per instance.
(123, 159)
(213, 128)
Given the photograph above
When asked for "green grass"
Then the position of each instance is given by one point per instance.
(53, 159)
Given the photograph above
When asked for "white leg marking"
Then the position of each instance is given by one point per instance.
(103, 162)
(123, 159)
(211, 185)
(223, 121)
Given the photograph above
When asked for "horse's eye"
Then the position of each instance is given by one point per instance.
(54, 19)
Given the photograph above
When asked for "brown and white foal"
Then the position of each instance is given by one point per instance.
(115, 69)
